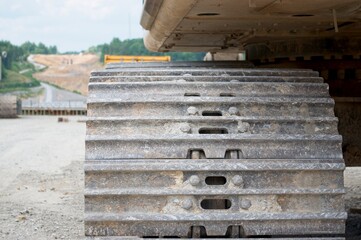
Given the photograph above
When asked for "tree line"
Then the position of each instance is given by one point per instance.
(20, 53)
(135, 47)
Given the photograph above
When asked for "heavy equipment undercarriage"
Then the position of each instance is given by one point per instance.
(227, 149)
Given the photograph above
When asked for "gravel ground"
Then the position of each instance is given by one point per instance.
(41, 169)
(41, 187)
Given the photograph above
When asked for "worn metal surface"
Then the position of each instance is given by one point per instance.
(211, 157)
(343, 76)
(185, 72)
(212, 89)
(190, 78)
(9, 106)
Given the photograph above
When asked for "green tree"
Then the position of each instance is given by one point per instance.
(53, 50)
(41, 49)
(28, 47)
(14, 53)
(20, 53)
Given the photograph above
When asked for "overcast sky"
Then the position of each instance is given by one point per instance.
(71, 25)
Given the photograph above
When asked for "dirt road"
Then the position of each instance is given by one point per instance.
(41, 187)
(55, 97)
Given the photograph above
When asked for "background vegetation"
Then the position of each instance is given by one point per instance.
(16, 71)
(136, 47)
(20, 53)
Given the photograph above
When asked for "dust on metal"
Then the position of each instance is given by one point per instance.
(178, 156)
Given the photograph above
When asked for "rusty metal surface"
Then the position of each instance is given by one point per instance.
(227, 107)
(343, 75)
(9, 106)
(195, 124)
(264, 160)
(252, 146)
(214, 89)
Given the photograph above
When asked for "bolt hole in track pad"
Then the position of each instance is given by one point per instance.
(213, 131)
(216, 180)
(212, 113)
(220, 204)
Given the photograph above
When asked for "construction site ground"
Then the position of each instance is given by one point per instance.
(41, 169)
(70, 72)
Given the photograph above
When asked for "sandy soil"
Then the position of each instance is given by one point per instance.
(41, 187)
(70, 72)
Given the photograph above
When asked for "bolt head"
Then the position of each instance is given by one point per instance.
(187, 204)
(237, 180)
(243, 127)
(192, 111)
(245, 204)
(194, 180)
(186, 128)
(233, 111)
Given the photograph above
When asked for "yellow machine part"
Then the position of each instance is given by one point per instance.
(124, 58)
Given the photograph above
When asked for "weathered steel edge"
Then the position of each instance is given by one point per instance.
(130, 237)
(208, 192)
(213, 217)
(212, 100)
(252, 79)
(222, 119)
(213, 165)
(217, 137)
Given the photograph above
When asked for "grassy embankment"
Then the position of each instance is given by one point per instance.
(20, 81)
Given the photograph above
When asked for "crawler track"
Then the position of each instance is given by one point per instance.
(211, 150)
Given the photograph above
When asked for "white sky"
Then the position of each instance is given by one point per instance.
(71, 25)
